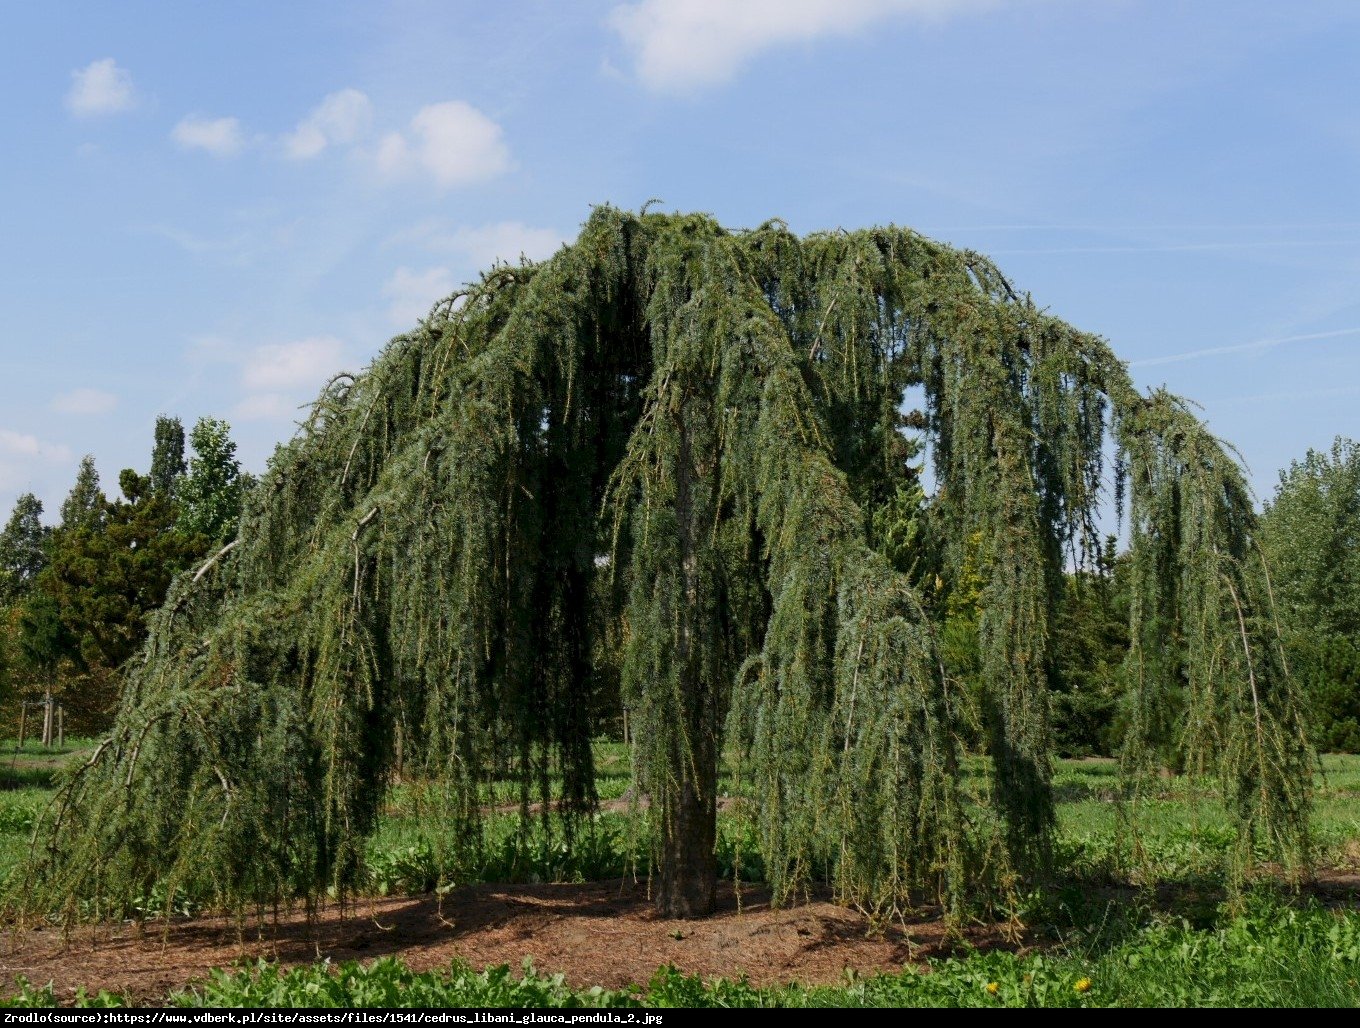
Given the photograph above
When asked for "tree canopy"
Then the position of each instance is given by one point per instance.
(23, 549)
(84, 504)
(167, 456)
(210, 492)
(105, 581)
(665, 460)
(1311, 531)
(81, 593)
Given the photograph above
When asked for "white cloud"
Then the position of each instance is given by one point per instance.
(20, 444)
(84, 401)
(413, 293)
(452, 142)
(221, 137)
(303, 364)
(342, 117)
(678, 45)
(101, 87)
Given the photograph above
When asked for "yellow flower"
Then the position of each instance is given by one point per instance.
(993, 987)
(1083, 985)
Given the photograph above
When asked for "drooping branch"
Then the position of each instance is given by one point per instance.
(718, 414)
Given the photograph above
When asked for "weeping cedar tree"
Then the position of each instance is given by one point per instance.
(668, 443)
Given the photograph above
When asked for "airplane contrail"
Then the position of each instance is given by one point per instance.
(1259, 344)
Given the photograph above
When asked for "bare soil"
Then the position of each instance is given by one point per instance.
(598, 933)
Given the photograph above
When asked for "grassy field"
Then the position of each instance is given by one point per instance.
(1183, 833)
(1175, 944)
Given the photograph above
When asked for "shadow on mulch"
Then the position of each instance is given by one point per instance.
(596, 933)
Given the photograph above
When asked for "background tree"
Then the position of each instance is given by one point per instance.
(105, 581)
(84, 505)
(23, 549)
(719, 413)
(210, 495)
(167, 457)
(43, 645)
(1311, 530)
(1091, 642)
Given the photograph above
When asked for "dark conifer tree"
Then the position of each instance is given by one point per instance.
(83, 507)
(23, 549)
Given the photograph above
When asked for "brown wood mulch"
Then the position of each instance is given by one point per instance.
(596, 933)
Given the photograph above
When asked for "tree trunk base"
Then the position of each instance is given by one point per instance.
(688, 880)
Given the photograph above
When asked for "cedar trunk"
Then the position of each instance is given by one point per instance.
(689, 868)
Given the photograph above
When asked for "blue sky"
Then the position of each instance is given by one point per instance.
(209, 209)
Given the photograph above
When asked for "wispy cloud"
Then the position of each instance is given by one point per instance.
(194, 243)
(506, 241)
(101, 87)
(452, 143)
(84, 402)
(1134, 227)
(221, 137)
(267, 407)
(342, 117)
(411, 293)
(278, 378)
(1293, 395)
(1255, 346)
(679, 45)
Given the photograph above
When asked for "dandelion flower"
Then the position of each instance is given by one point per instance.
(1083, 985)
(993, 987)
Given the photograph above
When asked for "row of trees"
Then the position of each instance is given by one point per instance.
(74, 598)
(1311, 530)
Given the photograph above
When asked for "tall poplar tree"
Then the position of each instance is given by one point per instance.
(167, 457)
(679, 439)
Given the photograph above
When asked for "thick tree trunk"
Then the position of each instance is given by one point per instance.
(689, 868)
